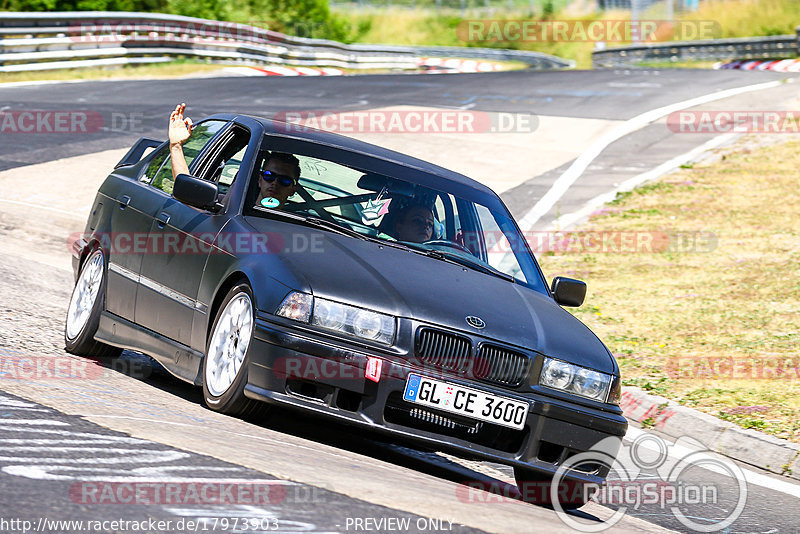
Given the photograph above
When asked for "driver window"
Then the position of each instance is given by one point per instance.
(500, 252)
(159, 172)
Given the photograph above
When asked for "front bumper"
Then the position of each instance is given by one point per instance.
(300, 370)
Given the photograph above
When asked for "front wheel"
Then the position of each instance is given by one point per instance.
(226, 360)
(85, 306)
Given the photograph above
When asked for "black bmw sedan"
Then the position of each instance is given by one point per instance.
(386, 292)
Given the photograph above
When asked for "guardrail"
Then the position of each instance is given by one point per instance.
(41, 41)
(772, 47)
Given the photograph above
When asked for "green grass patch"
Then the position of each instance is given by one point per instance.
(175, 68)
(713, 323)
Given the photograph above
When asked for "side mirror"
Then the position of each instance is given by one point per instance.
(568, 291)
(196, 192)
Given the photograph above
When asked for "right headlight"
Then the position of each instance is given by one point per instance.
(358, 322)
(564, 376)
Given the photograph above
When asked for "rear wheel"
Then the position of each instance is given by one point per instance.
(227, 356)
(85, 306)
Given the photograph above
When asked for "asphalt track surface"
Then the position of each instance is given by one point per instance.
(327, 479)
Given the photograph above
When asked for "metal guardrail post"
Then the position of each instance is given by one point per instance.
(797, 41)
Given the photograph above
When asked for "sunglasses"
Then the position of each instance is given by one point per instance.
(283, 179)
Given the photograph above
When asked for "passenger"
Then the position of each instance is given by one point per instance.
(414, 223)
(277, 181)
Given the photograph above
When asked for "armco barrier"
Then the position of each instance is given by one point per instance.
(40, 41)
(772, 47)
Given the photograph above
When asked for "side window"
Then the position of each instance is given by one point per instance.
(161, 176)
(230, 170)
(500, 252)
(222, 165)
(155, 164)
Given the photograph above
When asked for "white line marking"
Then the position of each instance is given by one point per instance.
(569, 219)
(250, 436)
(141, 456)
(752, 477)
(4, 422)
(8, 401)
(579, 166)
(101, 474)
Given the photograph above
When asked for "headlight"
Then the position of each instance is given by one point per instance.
(353, 321)
(329, 315)
(340, 317)
(367, 324)
(574, 379)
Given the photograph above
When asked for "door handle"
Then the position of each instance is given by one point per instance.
(124, 200)
(163, 219)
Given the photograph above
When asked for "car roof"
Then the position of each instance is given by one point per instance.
(276, 128)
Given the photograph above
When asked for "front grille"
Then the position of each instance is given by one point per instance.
(500, 365)
(451, 352)
(444, 350)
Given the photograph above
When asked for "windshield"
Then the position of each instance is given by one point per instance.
(427, 220)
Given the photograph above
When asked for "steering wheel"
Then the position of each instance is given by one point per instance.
(446, 243)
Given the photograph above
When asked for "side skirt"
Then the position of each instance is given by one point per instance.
(180, 360)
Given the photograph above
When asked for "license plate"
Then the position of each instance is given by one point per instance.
(464, 401)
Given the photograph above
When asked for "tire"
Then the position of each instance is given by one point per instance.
(83, 313)
(535, 489)
(228, 355)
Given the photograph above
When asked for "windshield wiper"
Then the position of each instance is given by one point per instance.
(334, 227)
(464, 261)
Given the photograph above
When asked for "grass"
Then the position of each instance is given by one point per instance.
(731, 18)
(157, 70)
(713, 320)
(428, 26)
(747, 18)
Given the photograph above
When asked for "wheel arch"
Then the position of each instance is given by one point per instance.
(231, 281)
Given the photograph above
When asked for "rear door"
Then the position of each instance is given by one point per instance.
(133, 206)
(169, 280)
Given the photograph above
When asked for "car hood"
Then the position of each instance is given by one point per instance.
(407, 284)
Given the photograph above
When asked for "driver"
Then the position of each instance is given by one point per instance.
(276, 183)
(414, 223)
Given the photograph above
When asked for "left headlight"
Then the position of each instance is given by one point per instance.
(358, 322)
(575, 379)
